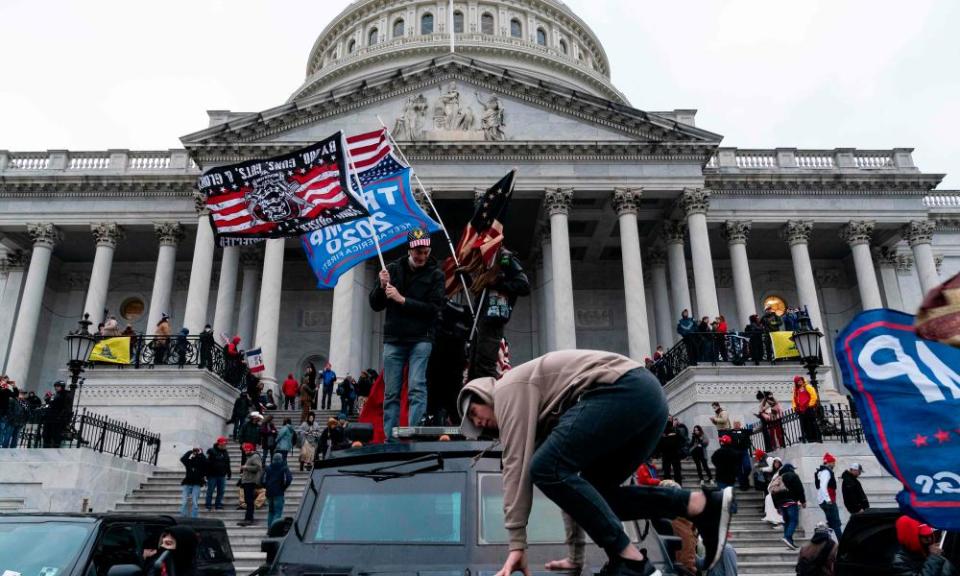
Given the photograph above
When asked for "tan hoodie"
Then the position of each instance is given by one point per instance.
(527, 401)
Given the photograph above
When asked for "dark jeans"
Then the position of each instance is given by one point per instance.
(700, 459)
(833, 517)
(692, 347)
(808, 425)
(584, 460)
(289, 402)
(249, 498)
(206, 357)
(486, 349)
(218, 483)
(791, 517)
(671, 468)
(327, 398)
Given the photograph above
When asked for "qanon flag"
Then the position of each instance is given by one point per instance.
(282, 196)
(907, 392)
(336, 249)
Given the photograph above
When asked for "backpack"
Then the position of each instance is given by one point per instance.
(814, 566)
(777, 486)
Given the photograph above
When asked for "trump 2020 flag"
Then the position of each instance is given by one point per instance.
(393, 213)
(255, 360)
(283, 196)
(907, 392)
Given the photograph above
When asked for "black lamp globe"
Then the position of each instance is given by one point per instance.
(808, 344)
(79, 344)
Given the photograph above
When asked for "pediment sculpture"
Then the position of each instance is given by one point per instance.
(453, 117)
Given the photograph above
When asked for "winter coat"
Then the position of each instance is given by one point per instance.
(206, 340)
(721, 420)
(854, 498)
(218, 463)
(910, 559)
(241, 407)
(268, 436)
(310, 432)
(162, 333)
(328, 378)
(285, 438)
(416, 319)
(726, 460)
(686, 326)
(252, 469)
(290, 387)
(277, 477)
(801, 404)
(250, 432)
(819, 556)
(794, 493)
(196, 465)
(646, 476)
(771, 322)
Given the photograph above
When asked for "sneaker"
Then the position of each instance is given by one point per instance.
(624, 567)
(789, 544)
(714, 523)
(243, 523)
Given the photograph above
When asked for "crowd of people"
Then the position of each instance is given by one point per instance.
(27, 419)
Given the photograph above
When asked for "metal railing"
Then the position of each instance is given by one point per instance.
(42, 428)
(735, 348)
(184, 352)
(833, 423)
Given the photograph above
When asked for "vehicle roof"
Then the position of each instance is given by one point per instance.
(383, 452)
(112, 516)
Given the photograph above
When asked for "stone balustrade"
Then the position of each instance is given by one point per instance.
(110, 161)
(942, 199)
(790, 159)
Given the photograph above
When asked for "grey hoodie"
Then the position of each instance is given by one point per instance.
(528, 401)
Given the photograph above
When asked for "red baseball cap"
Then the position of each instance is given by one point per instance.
(222, 440)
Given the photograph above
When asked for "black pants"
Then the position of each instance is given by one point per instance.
(582, 463)
(691, 344)
(700, 459)
(671, 468)
(327, 398)
(486, 350)
(249, 498)
(206, 358)
(289, 402)
(809, 427)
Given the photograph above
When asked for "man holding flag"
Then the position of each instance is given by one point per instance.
(410, 289)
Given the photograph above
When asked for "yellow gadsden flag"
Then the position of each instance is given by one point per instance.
(783, 346)
(112, 350)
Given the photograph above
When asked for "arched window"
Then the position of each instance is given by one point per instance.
(373, 37)
(398, 28)
(458, 22)
(486, 23)
(563, 46)
(541, 37)
(426, 23)
(516, 28)
(351, 46)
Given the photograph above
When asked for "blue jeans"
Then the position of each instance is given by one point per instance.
(791, 517)
(599, 441)
(833, 517)
(274, 510)
(188, 493)
(394, 357)
(218, 483)
(6, 432)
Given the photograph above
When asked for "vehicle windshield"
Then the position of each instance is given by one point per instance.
(545, 525)
(41, 548)
(420, 509)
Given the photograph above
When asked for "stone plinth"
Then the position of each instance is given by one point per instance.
(49, 480)
(187, 407)
(692, 391)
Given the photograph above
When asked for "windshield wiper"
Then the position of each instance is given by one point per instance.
(388, 472)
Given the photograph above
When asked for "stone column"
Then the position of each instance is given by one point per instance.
(919, 234)
(346, 325)
(857, 234)
(107, 235)
(251, 263)
(198, 293)
(268, 318)
(226, 291)
(44, 237)
(169, 234)
(679, 285)
(565, 329)
(797, 234)
(887, 260)
(736, 233)
(12, 266)
(911, 297)
(549, 320)
(695, 202)
(661, 298)
(625, 202)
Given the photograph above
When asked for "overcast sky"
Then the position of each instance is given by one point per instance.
(102, 74)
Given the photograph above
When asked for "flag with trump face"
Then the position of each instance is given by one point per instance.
(283, 196)
(482, 238)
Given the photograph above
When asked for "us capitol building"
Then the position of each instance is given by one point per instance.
(622, 216)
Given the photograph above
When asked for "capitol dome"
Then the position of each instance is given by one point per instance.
(543, 38)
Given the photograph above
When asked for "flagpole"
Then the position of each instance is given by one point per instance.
(443, 228)
(452, 41)
(373, 228)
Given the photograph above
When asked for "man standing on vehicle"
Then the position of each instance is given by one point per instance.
(826, 484)
(562, 419)
(411, 291)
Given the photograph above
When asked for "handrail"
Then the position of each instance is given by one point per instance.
(713, 348)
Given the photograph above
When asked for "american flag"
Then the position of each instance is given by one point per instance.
(481, 239)
(373, 156)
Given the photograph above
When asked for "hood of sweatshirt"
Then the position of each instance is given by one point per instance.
(482, 388)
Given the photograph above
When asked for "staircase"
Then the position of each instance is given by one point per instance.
(161, 495)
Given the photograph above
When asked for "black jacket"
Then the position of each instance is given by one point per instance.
(795, 492)
(854, 498)
(196, 465)
(727, 462)
(417, 318)
(218, 462)
(908, 564)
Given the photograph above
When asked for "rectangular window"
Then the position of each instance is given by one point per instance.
(420, 509)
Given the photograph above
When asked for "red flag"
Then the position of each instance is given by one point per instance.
(372, 412)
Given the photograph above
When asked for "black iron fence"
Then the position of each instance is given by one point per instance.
(150, 350)
(711, 348)
(42, 428)
(830, 422)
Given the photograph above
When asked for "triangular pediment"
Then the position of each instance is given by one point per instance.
(453, 100)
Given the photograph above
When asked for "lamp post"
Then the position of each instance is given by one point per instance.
(79, 343)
